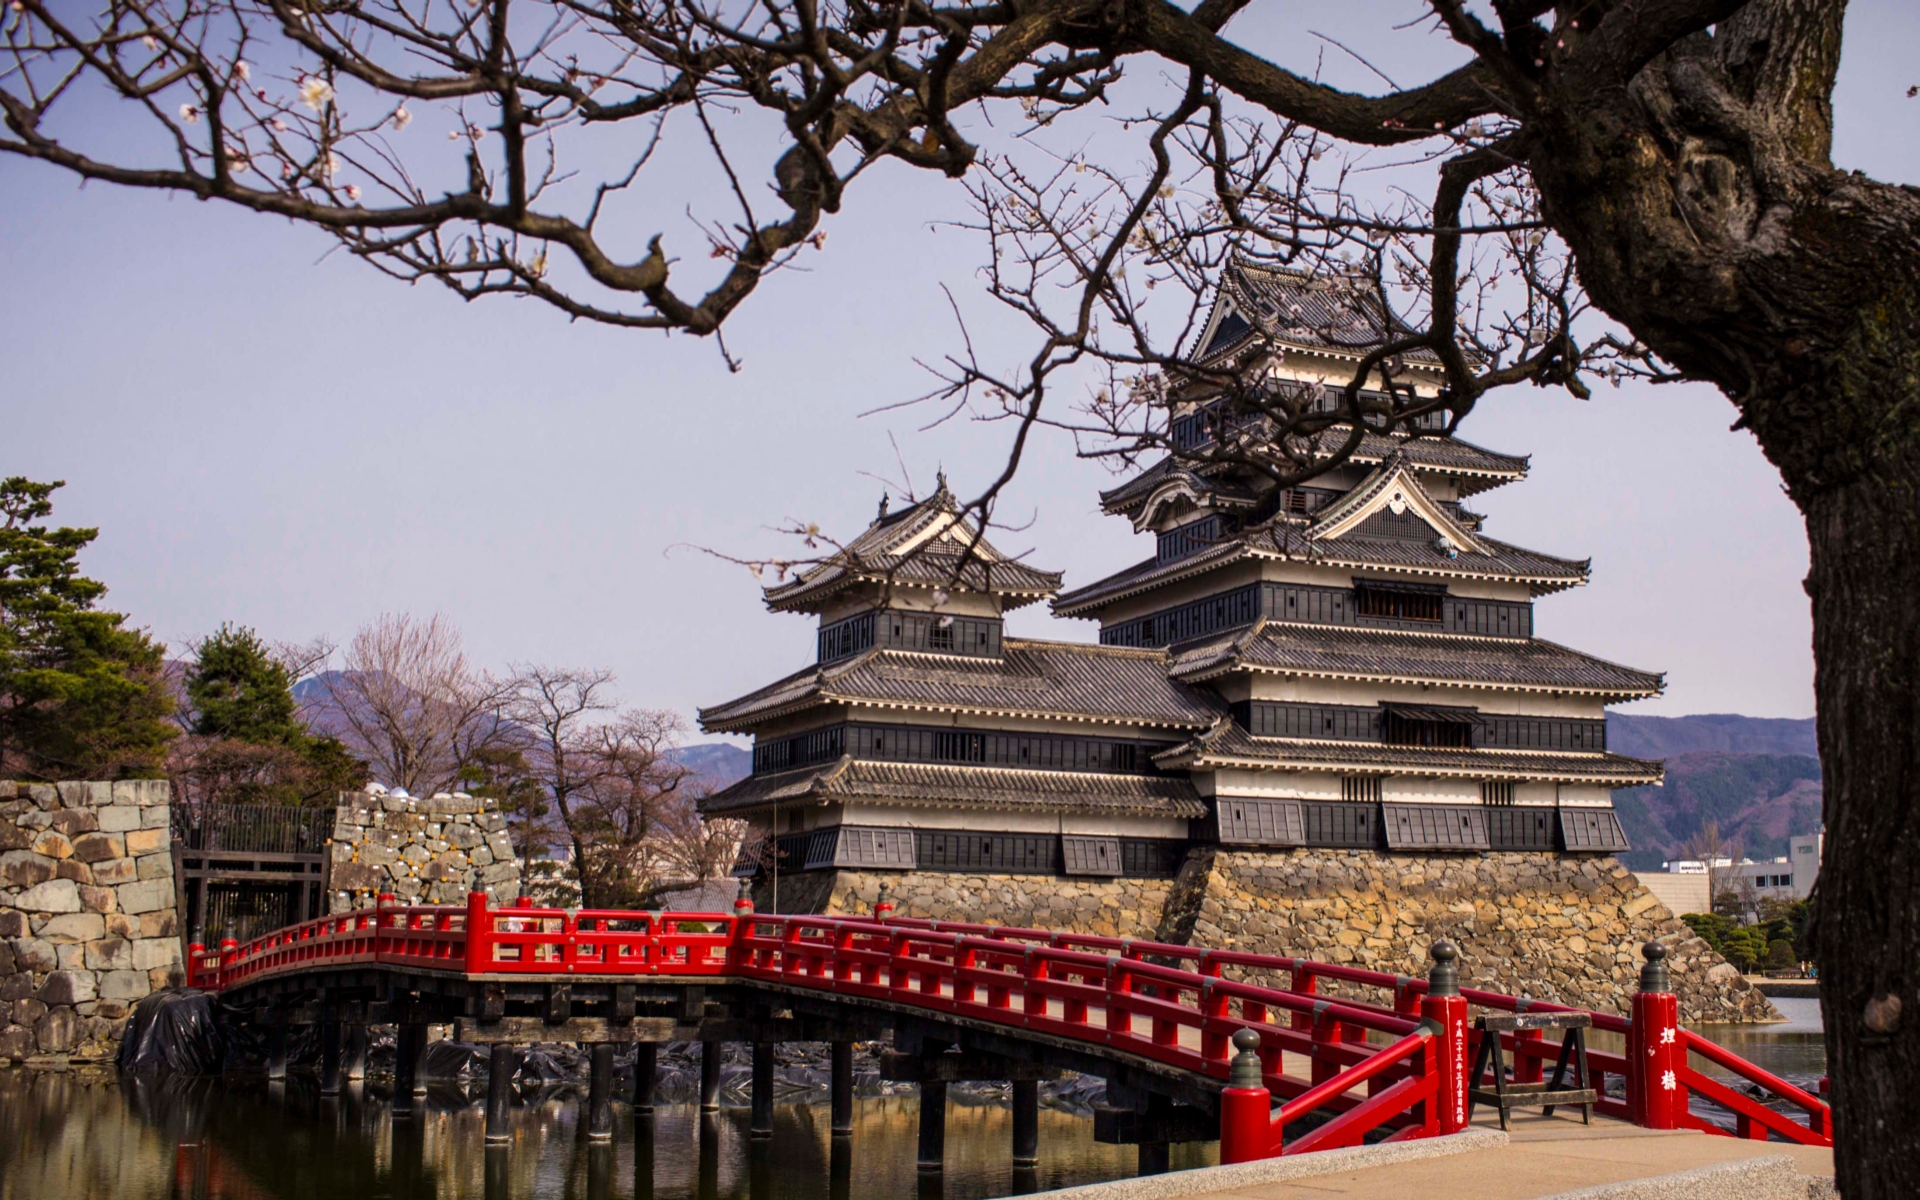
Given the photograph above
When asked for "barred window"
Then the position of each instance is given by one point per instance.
(1360, 789)
(1497, 792)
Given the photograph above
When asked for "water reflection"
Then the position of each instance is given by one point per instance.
(71, 1136)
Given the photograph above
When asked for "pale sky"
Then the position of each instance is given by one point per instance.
(291, 441)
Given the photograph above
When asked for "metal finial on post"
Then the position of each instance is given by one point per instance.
(1443, 979)
(743, 903)
(1654, 975)
(1245, 1070)
(883, 903)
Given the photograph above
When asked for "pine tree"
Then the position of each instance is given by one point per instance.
(81, 695)
(238, 690)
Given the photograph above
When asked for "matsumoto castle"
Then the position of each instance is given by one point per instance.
(1349, 664)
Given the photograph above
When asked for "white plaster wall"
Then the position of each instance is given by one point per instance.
(1406, 789)
(1265, 686)
(900, 816)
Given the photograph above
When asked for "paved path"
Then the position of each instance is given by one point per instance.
(1543, 1157)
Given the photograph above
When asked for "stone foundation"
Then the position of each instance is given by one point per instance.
(1559, 928)
(424, 850)
(87, 920)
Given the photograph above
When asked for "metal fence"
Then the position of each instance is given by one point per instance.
(253, 829)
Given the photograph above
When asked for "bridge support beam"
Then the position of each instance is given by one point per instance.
(933, 1125)
(1153, 1149)
(276, 1051)
(600, 1093)
(502, 1065)
(353, 1058)
(842, 1089)
(646, 1068)
(1026, 1123)
(409, 1047)
(330, 1058)
(710, 1076)
(762, 1124)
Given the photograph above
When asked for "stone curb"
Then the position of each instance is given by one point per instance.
(1204, 1180)
(1775, 1177)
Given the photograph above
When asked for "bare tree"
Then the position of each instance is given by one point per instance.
(622, 822)
(1667, 162)
(1713, 850)
(409, 702)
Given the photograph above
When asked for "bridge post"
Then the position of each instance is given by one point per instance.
(276, 1051)
(600, 1094)
(1655, 1053)
(409, 1046)
(842, 1089)
(479, 934)
(933, 1125)
(1446, 1009)
(710, 1076)
(330, 1058)
(502, 1065)
(761, 1126)
(883, 903)
(1152, 1157)
(646, 1067)
(1026, 1123)
(353, 1060)
(1246, 1106)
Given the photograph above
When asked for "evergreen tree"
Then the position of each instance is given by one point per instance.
(238, 690)
(81, 695)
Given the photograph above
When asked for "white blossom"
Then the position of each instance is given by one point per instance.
(242, 70)
(353, 191)
(279, 126)
(190, 114)
(150, 42)
(538, 267)
(315, 92)
(401, 118)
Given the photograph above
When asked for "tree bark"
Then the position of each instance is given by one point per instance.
(1706, 217)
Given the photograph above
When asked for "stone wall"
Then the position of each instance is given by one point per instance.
(1560, 928)
(431, 850)
(87, 920)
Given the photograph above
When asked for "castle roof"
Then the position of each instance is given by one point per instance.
(1229, 745)
(1070, 681)
(1395, 657)
(943, 785)
(1299, 310)
(928, 545)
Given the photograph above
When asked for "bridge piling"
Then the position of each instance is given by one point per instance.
(276, 1051)
(330, 1058)
(762, 1124)
(353, 1058)
(643, 1157)
(600, 1093)
(710, 1077)
(1026, 1123)
(933, 1126)
(1153, 1156)
(842, 1089)
(646, 1069)
(499, 1179)
(409, 1044)
(502, 1065)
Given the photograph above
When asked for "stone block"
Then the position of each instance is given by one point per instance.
(35, 820)
(146, 841)
(357, 877)
(147, 896)
(6, 960)
(119, 924)
(161, 978)
(75, 821)
(53, 844)
(156, 866)
(92, 847)
(499, 872)
(462, 837)
(34, 954)
(16, 1043)
(98, 899)
(25, 869)
(16, 986)
(501, 845)
(118, 818)
(149, 953)
(66, 987)
(156, 818)
(73, 927)
(74, 869)
(480, 856)
(111, 1010)
(70, 955)
(53, 896)
(124, 985)
(58, 1031)
(153, 793)
(116, 871)
(14, 836)
(13, 923)
(27, 1010)
(45, 795)
(374, 854)
(415, 854)
(110, 954)
(163, 922)
(74, 793)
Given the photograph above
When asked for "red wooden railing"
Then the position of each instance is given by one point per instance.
(1170, 1004)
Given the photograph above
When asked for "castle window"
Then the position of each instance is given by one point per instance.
(1360, 789)
(959, 747)
(940, 637)
(1496, 791)
(1399, 603)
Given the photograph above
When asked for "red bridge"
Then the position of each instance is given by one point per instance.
(1195, 1044)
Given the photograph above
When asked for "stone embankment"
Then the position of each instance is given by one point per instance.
(1562, 928)
(87, 918)
(426, 850)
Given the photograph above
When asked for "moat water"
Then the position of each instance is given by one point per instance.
(81, 1134)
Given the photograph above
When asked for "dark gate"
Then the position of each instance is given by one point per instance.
(246, 869)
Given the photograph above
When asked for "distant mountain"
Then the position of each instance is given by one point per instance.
(1730, 733)
(1759, 777)
(717, 764)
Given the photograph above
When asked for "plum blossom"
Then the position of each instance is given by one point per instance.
(315, 92)
(279, 126)
(401, 118)
(190, 113)
(353, 191)
(150, 42)
(243, 70)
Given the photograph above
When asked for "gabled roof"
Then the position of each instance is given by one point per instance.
(1389, 656)
(1393, 488)
(939, 785)
(1070, 681)
(926, 545)
(1300, 310)
(1228, 744)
